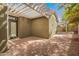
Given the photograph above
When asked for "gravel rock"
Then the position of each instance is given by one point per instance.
(58, 45)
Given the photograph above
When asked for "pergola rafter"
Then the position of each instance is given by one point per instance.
(23, 9)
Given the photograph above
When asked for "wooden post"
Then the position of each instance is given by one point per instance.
(66, 26)
(78, 28)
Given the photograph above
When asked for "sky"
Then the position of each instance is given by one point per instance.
(54, 6)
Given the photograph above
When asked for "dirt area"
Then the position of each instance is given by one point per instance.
(58, 45)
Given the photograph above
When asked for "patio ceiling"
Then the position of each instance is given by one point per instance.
(20, 9)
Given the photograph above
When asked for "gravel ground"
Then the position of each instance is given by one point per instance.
(58, 45)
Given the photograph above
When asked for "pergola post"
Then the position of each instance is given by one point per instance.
(66, 24)
(7, 25)
(78, 28)
(7, 28)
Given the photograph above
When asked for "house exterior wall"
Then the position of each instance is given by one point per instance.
(24, 27)
(40, 27)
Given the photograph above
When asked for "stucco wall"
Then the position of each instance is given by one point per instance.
(52, 26)
(33, 27)
(24, 27)
(40, 27)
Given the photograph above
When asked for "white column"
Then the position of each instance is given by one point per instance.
(8, 37)
(7, 28)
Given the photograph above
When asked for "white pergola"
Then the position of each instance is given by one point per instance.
(29, 10)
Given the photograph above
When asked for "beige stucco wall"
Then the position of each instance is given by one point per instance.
(40, 27)
(52, 26)
(24, 27)
(33, 27)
